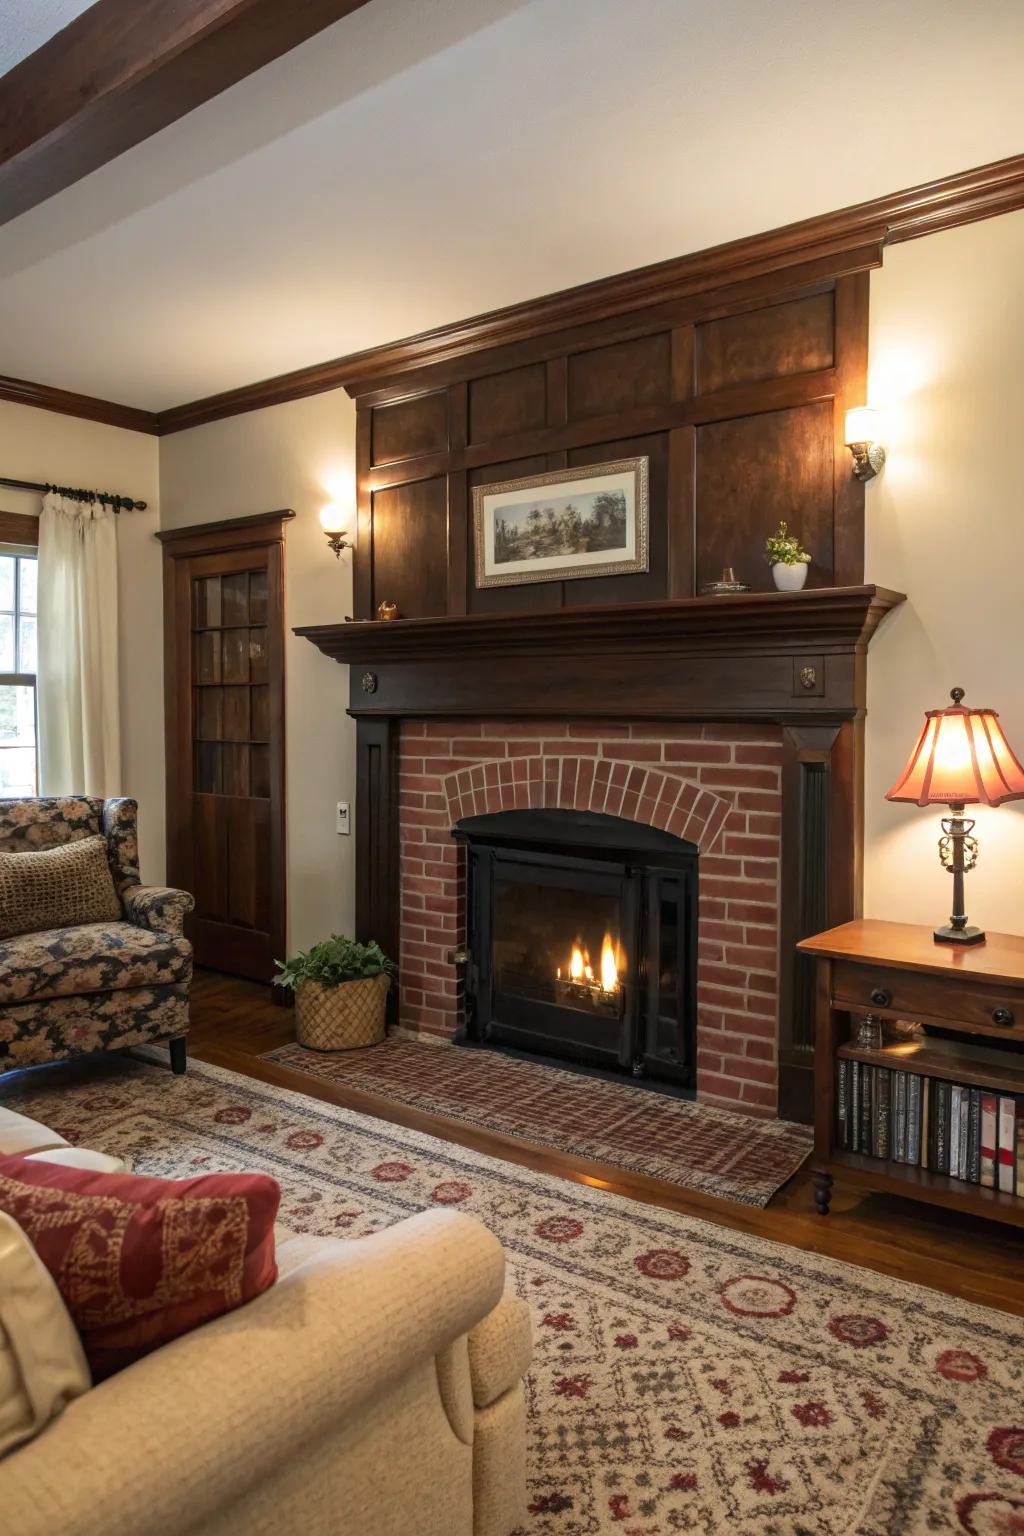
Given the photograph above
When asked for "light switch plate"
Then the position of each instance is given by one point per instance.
(344, 820)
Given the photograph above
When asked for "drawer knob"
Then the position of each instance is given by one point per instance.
(1002, 1016)
(881, 998)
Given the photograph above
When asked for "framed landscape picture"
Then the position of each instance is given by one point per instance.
(563, 525)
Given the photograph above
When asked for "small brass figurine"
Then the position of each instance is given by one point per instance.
(388, 611)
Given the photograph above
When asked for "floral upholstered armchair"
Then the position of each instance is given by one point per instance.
(98, 986)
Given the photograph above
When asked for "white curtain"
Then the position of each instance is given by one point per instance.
(77, 684)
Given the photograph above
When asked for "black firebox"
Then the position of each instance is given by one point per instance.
(581, 938)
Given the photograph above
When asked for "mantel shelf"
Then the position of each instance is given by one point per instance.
(826, 619)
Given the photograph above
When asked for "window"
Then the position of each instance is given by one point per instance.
(18, 759)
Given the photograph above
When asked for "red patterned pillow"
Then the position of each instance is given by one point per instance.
(139, 1261)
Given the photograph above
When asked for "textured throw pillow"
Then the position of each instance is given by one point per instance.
(139, 1261)
(42, 1366)
(57, 888)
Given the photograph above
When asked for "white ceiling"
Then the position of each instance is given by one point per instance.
(424, 160)
(28, 24)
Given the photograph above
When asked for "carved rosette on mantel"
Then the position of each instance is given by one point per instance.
(767, 689)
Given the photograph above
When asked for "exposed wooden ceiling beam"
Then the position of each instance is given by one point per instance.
(124, 69)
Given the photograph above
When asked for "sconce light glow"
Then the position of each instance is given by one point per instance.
(332, 521)
(863, 433)
(332, 518)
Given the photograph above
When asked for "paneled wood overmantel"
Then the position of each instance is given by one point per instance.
(749, 657)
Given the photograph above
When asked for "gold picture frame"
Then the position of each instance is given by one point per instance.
(564, 525)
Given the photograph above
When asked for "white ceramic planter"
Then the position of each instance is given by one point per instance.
(789, 578)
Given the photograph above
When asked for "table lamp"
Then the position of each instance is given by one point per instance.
(961, 758)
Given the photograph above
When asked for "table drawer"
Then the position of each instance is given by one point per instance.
(989, 1008)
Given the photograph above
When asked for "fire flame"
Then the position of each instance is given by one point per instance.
(609, 969)
(581, 970)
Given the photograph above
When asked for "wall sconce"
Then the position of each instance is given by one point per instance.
(862, 430)
(331, 520)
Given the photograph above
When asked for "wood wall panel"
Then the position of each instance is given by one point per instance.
(620, 377)
(410, 547)
(737, 400)
(653, 583)
(504, 404)
(770, 343)
(754, 471)
(410, 428)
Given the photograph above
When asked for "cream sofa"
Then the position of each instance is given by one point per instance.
(376, 1388)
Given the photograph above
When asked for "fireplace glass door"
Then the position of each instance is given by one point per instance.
(581, 945)
(560, 935)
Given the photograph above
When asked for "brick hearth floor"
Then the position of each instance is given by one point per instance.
(697, 1146)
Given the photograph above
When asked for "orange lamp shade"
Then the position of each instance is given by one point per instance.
(961, 757)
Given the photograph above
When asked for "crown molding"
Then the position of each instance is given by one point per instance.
(981, 193)
(66, 403)
(841, 241)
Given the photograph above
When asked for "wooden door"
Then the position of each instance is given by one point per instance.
(224, 627)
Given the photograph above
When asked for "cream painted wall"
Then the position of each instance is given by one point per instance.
(39, 445)
(945, 525)
(298, 455)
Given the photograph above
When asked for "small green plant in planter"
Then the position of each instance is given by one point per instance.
(341, 990)
(787, 558)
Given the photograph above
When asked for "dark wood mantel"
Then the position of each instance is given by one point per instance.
(753, 656)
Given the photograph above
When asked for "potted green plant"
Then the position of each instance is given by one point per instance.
(787, 558)
(341, 990)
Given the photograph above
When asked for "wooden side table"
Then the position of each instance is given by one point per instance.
(970, 1002)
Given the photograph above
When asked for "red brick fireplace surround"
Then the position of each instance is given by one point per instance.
(716, 786)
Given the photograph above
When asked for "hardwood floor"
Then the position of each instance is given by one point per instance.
(234, 1022)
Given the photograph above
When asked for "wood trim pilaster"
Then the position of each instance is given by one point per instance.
(377, 869)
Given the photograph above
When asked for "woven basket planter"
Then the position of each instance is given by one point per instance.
(341, 1018)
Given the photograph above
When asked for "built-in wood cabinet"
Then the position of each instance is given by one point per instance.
(224, 679)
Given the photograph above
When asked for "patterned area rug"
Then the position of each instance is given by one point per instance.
(694, 1145)
(686, 1378)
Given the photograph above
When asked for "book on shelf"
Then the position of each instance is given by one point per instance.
(943, 1099)
(989, 1138)
(867, 1083)
(897, 1115)
(1007, 1153)
(912, 1151)
(880, 1122)
(954, 1133)
(973, 1174)
(844, 1071)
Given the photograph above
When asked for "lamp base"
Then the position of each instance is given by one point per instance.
(950, 935)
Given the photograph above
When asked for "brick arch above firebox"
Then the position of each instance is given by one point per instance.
(634, 791)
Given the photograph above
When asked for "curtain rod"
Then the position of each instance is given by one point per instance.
(119, 503)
